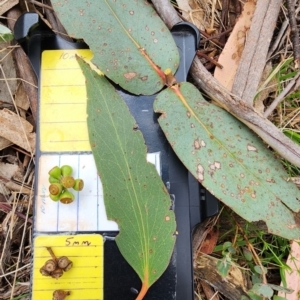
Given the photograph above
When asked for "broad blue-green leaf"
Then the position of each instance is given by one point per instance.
(263, 290)
(228, 159)
(134, 194)
(131, 44)
(5, 34)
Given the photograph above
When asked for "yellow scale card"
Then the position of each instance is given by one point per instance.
(84, 280)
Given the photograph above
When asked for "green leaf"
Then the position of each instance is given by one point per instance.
(280, 288)
(278, 298)
(5, 34)
(228, 159)
(258, 270)
(247, 254)
(131, 44)
(263, 290)
(223, 265)
(134, 194)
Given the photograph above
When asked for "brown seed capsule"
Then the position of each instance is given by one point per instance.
(44, 272)
(64, 263)
(60, 294)
(50, 265)
(57, 273)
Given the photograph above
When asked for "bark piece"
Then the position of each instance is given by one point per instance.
(232, 286)
(256, 48)
(232, 52)
(17, 130)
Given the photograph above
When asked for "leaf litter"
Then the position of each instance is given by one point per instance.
(11, 237)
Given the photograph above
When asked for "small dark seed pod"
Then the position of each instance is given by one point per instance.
(64, 263)
(60, 294)
(50, 265)
(44, 272)
(57, 273)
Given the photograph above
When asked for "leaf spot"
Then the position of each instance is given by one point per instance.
(251, 148)
(155, 41)
(154, 238)
(144, 78)
(167, 218)
(131, 12)
(188, 114)
(253, 195)
(152, 32)
(192, 125)
(200, 172)
(242, 175)
(197, 145)
(129, 75)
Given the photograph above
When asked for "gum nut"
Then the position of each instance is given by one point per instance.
(53, 180)
(44, 272)
(79, 184)
(50, 265)
(66, 197)
(54, 197)
(55, 172)
(55, 189)
(57, 273)
(68, 181)
(60, 294)
(66, 170)
(64, 263)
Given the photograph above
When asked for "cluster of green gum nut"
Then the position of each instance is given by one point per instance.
(61, 180)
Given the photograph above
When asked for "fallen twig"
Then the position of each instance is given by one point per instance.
(294, 31)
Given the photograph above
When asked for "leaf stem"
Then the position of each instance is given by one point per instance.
(143, 291)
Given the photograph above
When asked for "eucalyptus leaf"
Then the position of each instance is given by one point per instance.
(131, 44)
(5, 34)
(134, 194)
(263, 290)
(228, 159)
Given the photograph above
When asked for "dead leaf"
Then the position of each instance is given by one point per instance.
(8, 170)
(210, 241)
(4, 143)
(5, 5)
(21, 98)
(18, 188)
(7, 88)
(293, 277)
(14, 128)
(234, 47)
(192, 12)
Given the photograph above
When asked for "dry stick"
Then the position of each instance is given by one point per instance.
(294, 31)
(291, 87)
(24, 67)
(254, 56)
(199, 53)
(235, 105)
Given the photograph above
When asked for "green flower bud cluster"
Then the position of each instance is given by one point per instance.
(61, 180)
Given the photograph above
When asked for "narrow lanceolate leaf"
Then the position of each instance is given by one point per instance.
(229, 160)
(131, 44)
(134, 194)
